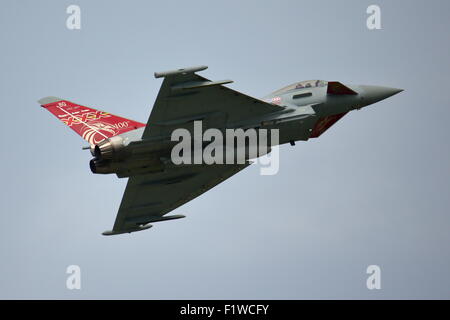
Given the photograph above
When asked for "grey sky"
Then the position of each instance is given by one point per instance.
(373, 190)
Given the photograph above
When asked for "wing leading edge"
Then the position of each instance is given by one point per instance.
(185, 97)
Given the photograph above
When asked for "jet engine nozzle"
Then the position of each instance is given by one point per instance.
(109, 149)
(99, 166)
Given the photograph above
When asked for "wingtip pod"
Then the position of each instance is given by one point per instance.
(146, 219)
(179, 71)
(139, 228)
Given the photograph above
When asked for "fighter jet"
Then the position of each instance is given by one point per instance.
(141, 152)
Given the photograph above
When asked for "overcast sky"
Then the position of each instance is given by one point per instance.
(373, 190)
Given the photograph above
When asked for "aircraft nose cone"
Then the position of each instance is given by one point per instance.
(374, 94)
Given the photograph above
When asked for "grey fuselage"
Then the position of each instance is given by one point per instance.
(303, 108)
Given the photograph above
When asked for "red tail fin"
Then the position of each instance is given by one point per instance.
(92, 125)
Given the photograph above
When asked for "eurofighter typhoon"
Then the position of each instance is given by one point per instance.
(143, 151)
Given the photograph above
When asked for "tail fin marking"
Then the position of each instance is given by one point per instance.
(91, 124)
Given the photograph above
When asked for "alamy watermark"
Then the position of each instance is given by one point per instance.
(374, 280)
(373, 21)
(235, 146)
(73, 281)
(73, 21)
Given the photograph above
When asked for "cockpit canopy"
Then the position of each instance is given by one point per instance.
(301, 85)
